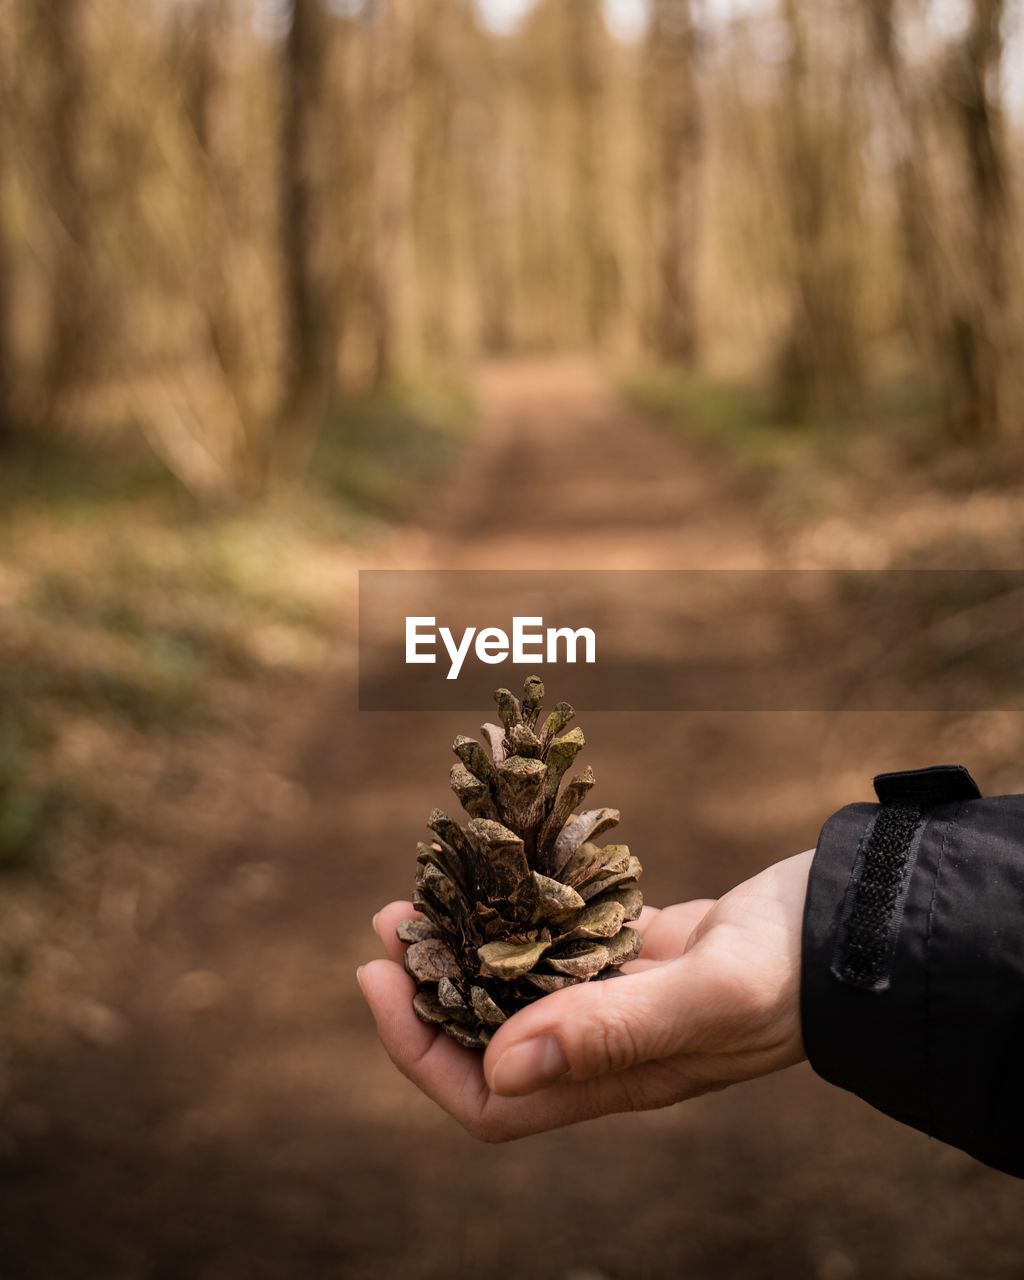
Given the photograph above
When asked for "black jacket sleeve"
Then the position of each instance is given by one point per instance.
(913, 959)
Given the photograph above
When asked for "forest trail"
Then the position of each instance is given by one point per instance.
(248, 1124)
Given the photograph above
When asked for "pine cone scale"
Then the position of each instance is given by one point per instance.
(520, 902)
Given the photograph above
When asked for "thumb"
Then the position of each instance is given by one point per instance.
(600, 1027)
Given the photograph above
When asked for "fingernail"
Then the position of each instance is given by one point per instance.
(373, 922)
(359, 978)
(528, 1066)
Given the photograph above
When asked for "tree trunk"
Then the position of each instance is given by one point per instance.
(675, 110)
(927, 296)
(6, 368)
(979, 339)
(586, 73)
(206, 28)
(392, 279)
(309, 344)
(236, 434)
(925, 302)
(61, 39)
(818, 364)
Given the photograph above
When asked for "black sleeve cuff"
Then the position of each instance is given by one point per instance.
(866, 1040)
(913, 960)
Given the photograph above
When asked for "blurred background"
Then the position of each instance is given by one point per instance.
(290, 287)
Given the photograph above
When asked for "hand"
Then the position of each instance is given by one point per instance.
(713, 999)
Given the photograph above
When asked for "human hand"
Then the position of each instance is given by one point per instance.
(713, 999)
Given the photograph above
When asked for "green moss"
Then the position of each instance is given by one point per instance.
(382, 455)
(742, 419)
(794, 468)
(735, 416)
(135, 620)
(24, 808)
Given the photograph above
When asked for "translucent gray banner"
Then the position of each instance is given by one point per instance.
(689, 640)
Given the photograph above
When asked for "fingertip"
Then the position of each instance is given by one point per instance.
(388, 990)
(528, 1066)
(646, 918)
(598, 1027)
(547, 1017)
(669, 931)
(387, 920)
(382, 979)
(389, 915)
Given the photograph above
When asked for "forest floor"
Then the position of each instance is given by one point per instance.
(226, 1111)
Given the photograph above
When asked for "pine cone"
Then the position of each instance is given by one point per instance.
(520, 902)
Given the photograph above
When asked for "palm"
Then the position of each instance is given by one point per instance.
(715, 993)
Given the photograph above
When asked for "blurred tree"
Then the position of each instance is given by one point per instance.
(493, 217)
(393, 278)
(60, 30)
(568, 258)
(215, 212)
(204, 29)
(675, 134)
(925, 298)
(438, 62)
(309, 311)
(458, 183)
(209, 30)
(980, 348)
(7, 371)
(586, 55)
(818, 365)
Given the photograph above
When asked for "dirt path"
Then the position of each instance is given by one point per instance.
(247, 1125)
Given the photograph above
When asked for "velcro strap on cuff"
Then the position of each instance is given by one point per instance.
(872, 908)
